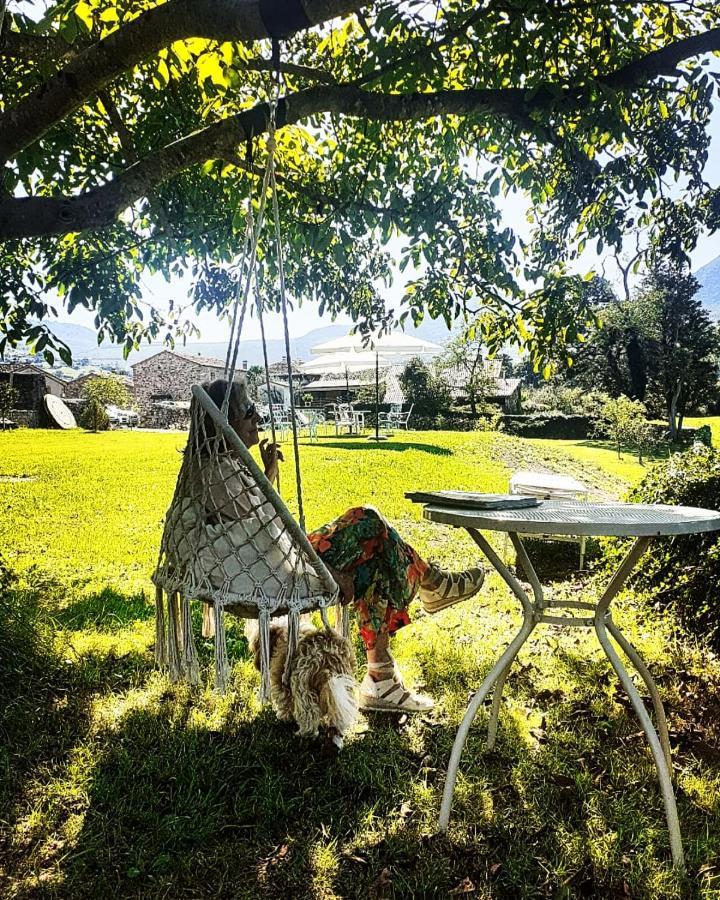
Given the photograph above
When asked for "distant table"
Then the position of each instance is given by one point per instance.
(577, 518)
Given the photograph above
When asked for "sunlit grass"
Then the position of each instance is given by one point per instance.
(115, 782)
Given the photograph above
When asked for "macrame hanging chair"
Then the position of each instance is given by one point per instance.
(229, 540)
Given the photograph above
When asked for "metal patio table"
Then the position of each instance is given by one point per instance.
(643, 522)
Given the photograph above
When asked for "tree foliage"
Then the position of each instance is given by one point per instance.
(100, 392)
(427, 392)
(464, 361)
(659, 347)
(133, 134)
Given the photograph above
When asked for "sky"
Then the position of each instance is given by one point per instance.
(305, 318)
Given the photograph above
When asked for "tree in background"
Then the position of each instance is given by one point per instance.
(9, 396)
(683, 342)
(427, 392)
(100, 392)
(660, 347)
(626, 422)
(464, 363)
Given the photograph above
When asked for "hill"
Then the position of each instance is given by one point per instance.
(83, 343)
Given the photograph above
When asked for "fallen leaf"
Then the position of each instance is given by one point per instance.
(465, 887)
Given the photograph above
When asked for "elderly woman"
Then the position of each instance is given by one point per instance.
(374, 567)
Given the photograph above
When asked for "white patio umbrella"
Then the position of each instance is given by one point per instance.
(344, 361)
(352, 361)
(397, 344)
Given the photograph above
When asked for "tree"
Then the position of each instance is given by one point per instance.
(684, 342)
(100, 392)
(9, 396)
(428, 393)
(626, 421)
(133, 132)
(464, 360)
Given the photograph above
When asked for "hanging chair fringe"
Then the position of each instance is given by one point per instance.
(189, 661)
(222, 667)
(160, 630)
(173, 654)
(264, 629)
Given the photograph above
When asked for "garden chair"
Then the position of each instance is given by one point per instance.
(546, 486)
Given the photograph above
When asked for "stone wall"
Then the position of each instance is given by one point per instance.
(169, 376)
(155, 416)
(25, 418)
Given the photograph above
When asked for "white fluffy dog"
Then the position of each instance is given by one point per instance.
(322, 690)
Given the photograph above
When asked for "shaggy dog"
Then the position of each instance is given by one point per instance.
(322, 689)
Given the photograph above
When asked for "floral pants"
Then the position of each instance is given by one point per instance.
(386, 571)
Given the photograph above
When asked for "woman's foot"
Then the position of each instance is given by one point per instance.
(440, 589)
(383, 690)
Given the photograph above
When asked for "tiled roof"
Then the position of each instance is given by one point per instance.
(208, 361)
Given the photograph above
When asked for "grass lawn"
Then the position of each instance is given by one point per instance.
(113, 782)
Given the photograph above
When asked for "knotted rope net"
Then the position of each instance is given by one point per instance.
(230, 541)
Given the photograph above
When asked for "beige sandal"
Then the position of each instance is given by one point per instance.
(440, 589)
(390, 694)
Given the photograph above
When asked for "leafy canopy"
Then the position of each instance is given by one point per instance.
(133, 134)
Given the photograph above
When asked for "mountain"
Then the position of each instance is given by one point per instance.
(709, 293)
(83, 343)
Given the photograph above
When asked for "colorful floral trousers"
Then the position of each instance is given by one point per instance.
(386, 571)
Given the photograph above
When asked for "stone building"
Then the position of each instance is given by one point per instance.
(163, 384)
(76, 387)
(31, 383)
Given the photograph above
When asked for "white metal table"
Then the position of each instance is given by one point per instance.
(578, 518)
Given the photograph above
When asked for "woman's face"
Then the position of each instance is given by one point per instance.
(245, 424)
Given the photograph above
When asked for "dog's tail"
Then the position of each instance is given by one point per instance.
(341, 702)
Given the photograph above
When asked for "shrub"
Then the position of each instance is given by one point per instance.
(570, 401)
(547, 425)
(428, 393)
(94, 417)
(684, 571)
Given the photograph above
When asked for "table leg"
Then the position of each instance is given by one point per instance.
(658, 751)
(635, 658)
(496, 677)
(539, 604)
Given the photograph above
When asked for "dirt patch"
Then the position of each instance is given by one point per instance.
(11, 479)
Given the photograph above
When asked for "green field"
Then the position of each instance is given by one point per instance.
(113, 782)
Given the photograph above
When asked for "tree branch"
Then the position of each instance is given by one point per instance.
(37, 216)
(94, 67)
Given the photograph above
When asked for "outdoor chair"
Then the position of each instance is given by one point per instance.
(344, 418)
(546, 486)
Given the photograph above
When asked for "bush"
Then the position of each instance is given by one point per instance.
(429, 394)
(684, 571)
(94, 417)
(570, 401)
(547, 425)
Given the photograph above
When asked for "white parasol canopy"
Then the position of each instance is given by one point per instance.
(347, 361)
(396, 344)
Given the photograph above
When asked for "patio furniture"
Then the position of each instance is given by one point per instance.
(643, 522)
(546, 486)
(347, 417)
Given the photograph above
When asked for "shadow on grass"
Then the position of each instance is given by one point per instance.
(362, 443)
(186, 795)
(106, 610)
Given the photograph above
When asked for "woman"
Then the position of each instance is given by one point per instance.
(375, 569)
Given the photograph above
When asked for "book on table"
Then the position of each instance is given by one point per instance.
(473, 500)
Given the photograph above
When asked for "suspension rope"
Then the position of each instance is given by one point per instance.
(283, 295)
(245, 293)
(259, 306)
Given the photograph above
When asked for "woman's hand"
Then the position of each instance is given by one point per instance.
(271, 454)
